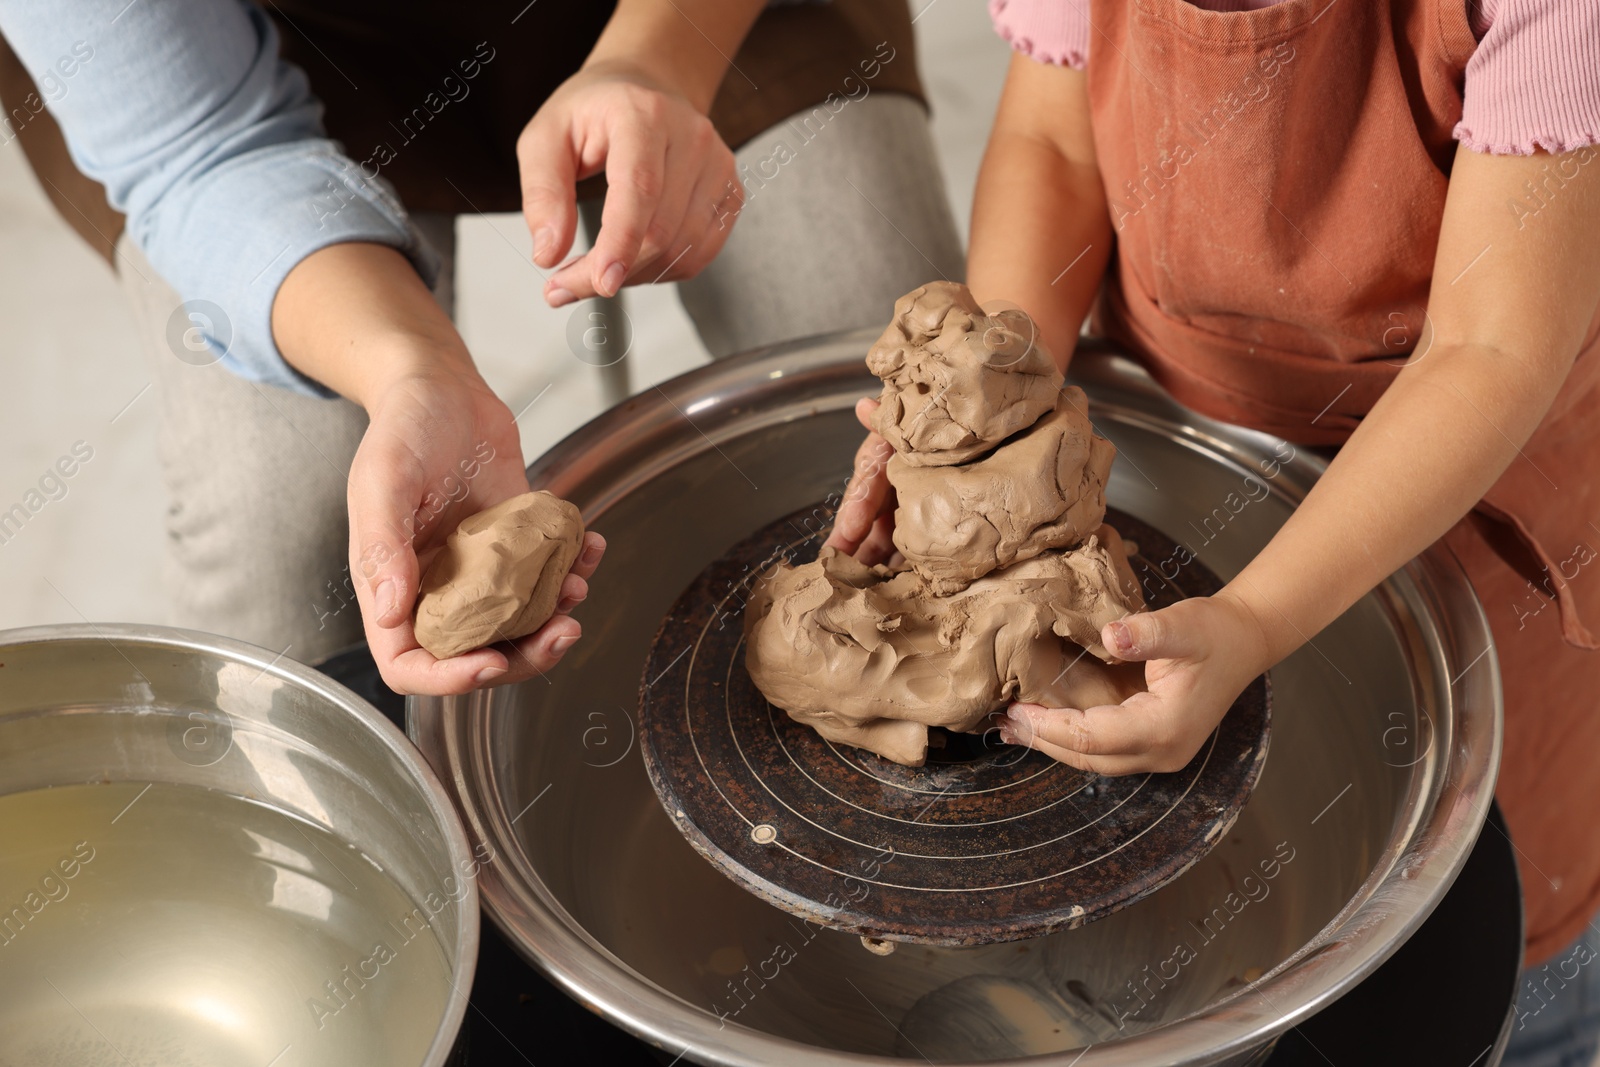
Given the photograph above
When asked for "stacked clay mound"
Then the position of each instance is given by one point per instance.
(1009, 571)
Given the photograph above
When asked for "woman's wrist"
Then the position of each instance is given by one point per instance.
(662, 73)
(410, 360)
(357, 318)
(682, 47)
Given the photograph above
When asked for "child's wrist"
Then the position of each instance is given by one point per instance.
(1260, 626)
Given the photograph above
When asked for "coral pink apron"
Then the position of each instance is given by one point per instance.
(1276, 179)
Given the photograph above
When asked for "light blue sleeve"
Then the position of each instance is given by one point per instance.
(214, 149)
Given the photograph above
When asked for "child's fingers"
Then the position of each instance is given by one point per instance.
(866, 408)
(1144, 733)
(879, 544)
(1100, 731)
(1112, 766)
(1149, 635)
(864, 497)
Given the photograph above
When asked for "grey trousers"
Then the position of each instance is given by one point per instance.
(853, 216)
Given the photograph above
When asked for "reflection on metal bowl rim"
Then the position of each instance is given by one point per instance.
(1428, 614)
(279, 746)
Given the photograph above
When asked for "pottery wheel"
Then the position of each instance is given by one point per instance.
(986, 842)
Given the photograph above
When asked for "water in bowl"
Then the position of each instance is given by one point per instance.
(172, 926)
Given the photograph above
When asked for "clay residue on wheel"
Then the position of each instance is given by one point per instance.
(499, 574)
(1006, 573)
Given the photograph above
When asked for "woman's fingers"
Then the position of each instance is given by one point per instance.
(384, 490)
(708, 222)
(690, 225)
(866, 409)
(409, 669)
(548, 169)
(669, 178)
(662, 228)
(701, 234)
(632, 144)
(644, 239)
(575, 587)
(636, 176)
(541, 650)
(589, 557)
(574, 591)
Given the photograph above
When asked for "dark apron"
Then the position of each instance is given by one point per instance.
(381, 70)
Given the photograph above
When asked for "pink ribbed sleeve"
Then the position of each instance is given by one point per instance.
(1051, 31)
(1534, 81)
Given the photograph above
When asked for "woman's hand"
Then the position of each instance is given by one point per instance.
(864, 525)
(1199, 655)
(672, 194)
(441, 447)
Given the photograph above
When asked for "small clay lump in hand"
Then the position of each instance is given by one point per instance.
(499, 574)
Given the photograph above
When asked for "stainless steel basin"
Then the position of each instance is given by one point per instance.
(261, 869)
(1386, 738)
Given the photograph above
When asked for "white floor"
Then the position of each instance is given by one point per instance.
(71, 364)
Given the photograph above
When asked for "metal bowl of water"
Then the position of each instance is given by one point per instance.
(211, 856)
(1386, 739)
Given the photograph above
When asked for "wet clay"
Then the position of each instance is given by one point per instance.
(1009, 572)
(870, 657)
(1046, 488)
(499, 574)
(956, 380)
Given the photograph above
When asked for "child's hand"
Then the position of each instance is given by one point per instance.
(864, 526)
(1199, 655)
